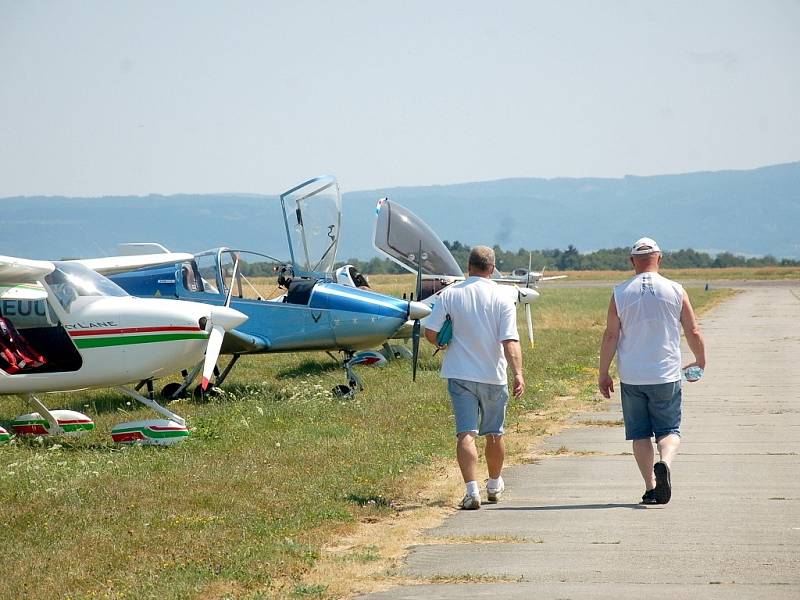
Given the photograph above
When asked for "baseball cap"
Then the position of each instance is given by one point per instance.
(645, 245)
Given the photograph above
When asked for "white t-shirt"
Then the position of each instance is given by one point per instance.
(483, 317)
(649, 348)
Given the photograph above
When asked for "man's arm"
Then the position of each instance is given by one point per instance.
(608, 348)
(692, 332)
(513, 354)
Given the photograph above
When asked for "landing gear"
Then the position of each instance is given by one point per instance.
(392, 351)
(173, 391)
(354, 383)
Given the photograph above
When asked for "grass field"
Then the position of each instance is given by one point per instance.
(732, 273)
(275, 470)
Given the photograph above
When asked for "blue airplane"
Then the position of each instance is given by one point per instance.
(312, 312)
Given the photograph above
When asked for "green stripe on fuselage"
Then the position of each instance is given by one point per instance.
(166, 433)
(125, 340)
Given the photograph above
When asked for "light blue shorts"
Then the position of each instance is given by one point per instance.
(651, 410)
(478, 407)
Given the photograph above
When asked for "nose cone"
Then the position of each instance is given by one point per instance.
(418, 310)
(227, 318)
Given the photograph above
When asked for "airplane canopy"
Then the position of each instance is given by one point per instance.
(398, 233)
(312, 212)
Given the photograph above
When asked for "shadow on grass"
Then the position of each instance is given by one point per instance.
(308, 367)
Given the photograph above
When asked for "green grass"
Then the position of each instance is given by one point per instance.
(273, 470)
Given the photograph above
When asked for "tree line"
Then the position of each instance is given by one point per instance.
(613, 259)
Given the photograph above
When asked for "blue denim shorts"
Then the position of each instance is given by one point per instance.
(651, 410)
(478, 407)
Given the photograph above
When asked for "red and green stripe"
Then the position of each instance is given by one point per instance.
(138, 433)
(103, 338)
(41, 426)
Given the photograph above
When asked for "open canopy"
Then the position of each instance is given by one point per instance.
(312, 212)
(398, 234)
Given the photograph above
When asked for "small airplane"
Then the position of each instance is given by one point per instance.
(527, 276)
(402, 236)
(64, 327)
(311, 312)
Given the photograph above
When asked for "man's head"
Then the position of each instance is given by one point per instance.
(481, 261)
(645, 255)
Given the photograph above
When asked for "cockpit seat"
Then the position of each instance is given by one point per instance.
(16, 353)
(300, 291)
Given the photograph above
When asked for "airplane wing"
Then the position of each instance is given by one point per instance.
(110, 265)
(19, 278)
(551, 277)
(23, 270)
(237, 342)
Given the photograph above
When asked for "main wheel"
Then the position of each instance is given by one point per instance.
(168, 391)
(343, 391)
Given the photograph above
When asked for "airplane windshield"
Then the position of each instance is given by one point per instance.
(70, 281)
(398, 233)
(312, 212)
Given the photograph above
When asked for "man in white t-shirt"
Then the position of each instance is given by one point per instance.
(643, 328)
(484, 341)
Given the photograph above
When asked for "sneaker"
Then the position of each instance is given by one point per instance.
(663, 490)
(648, 498)
(493, 494)
(470, 502)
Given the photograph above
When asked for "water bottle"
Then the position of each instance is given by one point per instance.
(692, 373)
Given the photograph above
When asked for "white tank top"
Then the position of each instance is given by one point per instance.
(649, 349)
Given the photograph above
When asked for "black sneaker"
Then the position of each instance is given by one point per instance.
(663, 489)
(648, 498)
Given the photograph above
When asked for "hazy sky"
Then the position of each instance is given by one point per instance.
(114, 97)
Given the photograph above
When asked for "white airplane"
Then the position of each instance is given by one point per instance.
(64, 327)
(526, 276)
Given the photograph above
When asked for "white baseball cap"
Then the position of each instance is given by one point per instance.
(645, 245)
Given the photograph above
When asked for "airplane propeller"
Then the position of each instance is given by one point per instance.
(415, 332)
(222, 318)
(528, 318)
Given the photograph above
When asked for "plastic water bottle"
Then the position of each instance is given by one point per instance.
(692, 373)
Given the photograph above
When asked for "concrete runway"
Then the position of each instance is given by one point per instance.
(570, 526)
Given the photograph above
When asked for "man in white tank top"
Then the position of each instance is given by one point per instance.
(643, 329)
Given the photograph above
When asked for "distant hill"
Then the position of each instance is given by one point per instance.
(753, 212)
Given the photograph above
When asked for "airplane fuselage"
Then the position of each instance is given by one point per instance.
(103, 342)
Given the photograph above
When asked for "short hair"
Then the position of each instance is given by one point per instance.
(482, 259)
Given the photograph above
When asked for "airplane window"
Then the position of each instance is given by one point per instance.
(207, 266)
(70, 281)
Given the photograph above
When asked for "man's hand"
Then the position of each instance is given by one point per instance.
(696, 363)
(606, 385)
(519, 385)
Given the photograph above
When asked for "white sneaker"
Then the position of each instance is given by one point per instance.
(493, 494)
(470, 502)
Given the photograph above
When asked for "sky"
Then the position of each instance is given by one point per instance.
(133, 98)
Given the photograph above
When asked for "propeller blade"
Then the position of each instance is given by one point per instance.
(529, 321)
(212, 354)
(415, 335)
(530, 265)
(419, 273)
